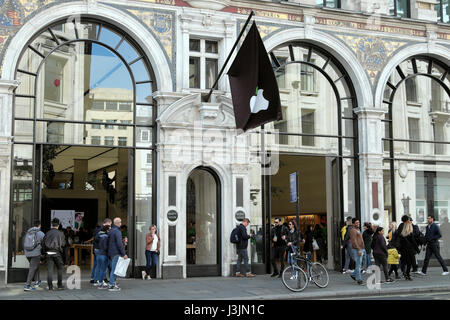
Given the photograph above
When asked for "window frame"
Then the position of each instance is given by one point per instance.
(202, 55)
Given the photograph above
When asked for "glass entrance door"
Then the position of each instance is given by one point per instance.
(203, 238)
(337, 215)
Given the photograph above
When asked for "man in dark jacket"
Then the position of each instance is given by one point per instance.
(241, 248)
(106, 222)
(432, 236)
(115, 250)
(34, 257)
(54, 243)
(278, 236)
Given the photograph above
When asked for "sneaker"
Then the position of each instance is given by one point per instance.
(389, 280)
(61, 288)
(344, 271)
(103, 286)
(37, 284)
(293, 277)
(115, 288)
(364, 271)
(274, 274)
(28, 288)
(92, 281)
(421, 273)
(353, 277)
(239, 275)
(250, 275)
(96, 284)
(445, 273)
(360, 282)
(144, 274)
(149, 278)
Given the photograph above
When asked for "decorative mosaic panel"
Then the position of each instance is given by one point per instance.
(372, 52)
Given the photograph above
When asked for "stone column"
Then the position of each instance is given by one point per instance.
(371, 164)
(6, 111)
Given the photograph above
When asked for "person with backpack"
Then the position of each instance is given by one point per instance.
(278, 236)
(432, 236)
(101, 254)
(32, 246)
(241, 247)
(54, 243)
(347, 246)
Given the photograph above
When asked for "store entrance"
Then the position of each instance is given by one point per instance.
(313, 209)
(203, 237)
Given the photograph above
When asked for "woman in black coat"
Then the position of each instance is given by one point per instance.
(293, 238)
(408, 247)
(380, 252)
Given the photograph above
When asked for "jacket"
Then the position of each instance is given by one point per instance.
(408, 245)
(36, 252)
(101, 243)
(115, 244)
(54, 241)
(308, 247)
(356, 239)
(149, 242)
(294, 237)
(279, 231)
(379, 245)
(367, 238)
(393, 256)
(243, 244)
(433, 233)
(96, 231)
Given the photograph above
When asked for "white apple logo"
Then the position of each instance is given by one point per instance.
(258, 102)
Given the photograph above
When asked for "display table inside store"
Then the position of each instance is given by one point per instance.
(77, 253)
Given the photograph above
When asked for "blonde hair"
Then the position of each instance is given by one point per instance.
(407, 229)
(394, 225)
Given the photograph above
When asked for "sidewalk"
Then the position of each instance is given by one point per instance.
(220, 288)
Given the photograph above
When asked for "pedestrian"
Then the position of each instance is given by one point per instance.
(278, 236)
(115, 250)
(380, 252)
(358, 250)
(106, 222)
(367, 238)
(293, 239)
(68, 234)
(432, 236)
(32, 248)
(54, 243)
(393, 260)
(346, 245)
(101, 254)
(420, 240)
(392, 229)
(242, 249)
(308, 246)
(153, 244)
(318, 236)
(407, 245)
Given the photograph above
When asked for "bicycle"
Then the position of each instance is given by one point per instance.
(296, 279)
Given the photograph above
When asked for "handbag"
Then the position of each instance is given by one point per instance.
(122, 267)
(315, 245)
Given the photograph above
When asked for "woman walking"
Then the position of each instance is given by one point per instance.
(101, 255)
(408, 247)
(153, 243)
(367, 237)
(380, 252)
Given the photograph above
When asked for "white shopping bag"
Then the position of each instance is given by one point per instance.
(121, 267)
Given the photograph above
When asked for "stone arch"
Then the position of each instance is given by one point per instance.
(338, 50)
(122, 20)
(436, 51)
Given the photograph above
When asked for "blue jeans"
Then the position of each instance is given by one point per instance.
(348, 254)
(112, 276)
(358, 260)
(102, 265)
(291, 249)
(367, 260)
(152, 260)
(242, 255)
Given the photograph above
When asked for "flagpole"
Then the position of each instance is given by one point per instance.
(229, 56)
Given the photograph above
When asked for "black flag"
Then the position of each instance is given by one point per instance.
(254, 88)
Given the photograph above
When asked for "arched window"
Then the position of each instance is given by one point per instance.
(416, 141)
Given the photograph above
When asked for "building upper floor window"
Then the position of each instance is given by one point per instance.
(329, 3)
(442, 8)
(308, 82)
(308, 127)
(54, 79)
(203, 63)
(414, 134)
(400, 8)
(411, 90)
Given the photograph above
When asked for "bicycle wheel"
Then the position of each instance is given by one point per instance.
(319, 274)
(294, 278)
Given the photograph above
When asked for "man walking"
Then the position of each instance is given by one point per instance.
(432, 236)
(278, 236)
(358, 250)
(115, 250)
(32, 247)
(54, 243)
(347, 246)
(106, 222)
(241, 248)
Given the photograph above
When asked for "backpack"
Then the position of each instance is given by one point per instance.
(235, 236)
(31, 241)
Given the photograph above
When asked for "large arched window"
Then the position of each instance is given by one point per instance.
(416, 140)
(85, 94)
(317, 138)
